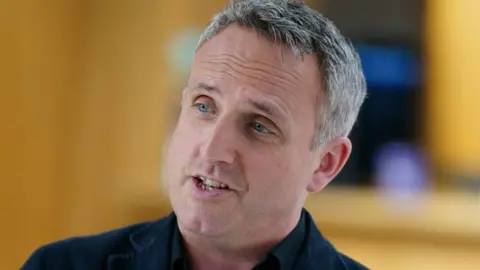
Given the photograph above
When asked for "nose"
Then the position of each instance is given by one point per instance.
(219, 144)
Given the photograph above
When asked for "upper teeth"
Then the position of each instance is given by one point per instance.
(210, 182)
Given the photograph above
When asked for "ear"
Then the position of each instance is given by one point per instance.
(331, 159)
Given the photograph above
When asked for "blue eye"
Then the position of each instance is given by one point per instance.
(203, 108)
(259, 128)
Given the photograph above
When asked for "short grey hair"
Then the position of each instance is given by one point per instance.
(306, 31)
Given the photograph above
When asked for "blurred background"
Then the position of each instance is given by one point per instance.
(89, 89)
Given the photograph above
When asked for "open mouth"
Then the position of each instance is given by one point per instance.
(208, 184)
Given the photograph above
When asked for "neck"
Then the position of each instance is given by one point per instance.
(237, 250)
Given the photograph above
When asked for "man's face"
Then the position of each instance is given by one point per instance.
(247, 121)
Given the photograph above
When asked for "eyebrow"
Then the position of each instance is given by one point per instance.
(267, 107)
(205, 87)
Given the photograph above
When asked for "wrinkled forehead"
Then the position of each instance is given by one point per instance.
(250, 51)
(249, 44)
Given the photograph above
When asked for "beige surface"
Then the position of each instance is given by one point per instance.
(429, 231)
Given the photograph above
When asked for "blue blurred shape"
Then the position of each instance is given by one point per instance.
(401, 166)
(389, 67)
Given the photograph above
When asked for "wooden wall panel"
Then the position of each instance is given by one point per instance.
(37, 49)
(453, 96)
(85, 101)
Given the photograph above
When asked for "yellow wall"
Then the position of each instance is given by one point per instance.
(453, 108)
(37, 66)
(84, 100)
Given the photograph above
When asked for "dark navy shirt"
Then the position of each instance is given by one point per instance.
(151, 246)
(281, 257)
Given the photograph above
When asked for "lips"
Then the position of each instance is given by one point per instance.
(208, 183)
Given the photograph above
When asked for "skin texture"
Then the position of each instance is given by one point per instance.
(247, 120)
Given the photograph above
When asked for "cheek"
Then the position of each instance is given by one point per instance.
(273, 185)
(272, 172)
(181, 148)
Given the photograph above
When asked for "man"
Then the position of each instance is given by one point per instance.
(273, 93)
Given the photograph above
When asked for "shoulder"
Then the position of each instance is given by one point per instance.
(331, 258)
(88, 250)
(321, 251)
(349, 263)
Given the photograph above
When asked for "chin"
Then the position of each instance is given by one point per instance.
(203, 221)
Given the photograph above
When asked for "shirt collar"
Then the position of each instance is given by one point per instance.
(179, 259)
(285, 253)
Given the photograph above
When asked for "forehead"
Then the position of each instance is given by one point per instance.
(245, 43)
(240, 58)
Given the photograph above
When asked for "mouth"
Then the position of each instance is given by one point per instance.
(208, 184)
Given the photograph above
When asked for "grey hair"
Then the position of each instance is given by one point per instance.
(306, 31)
